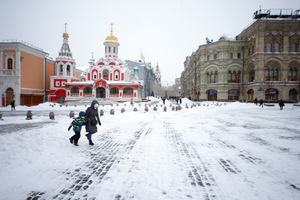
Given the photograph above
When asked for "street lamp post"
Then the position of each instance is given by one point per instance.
(243, 72)
(195, 86)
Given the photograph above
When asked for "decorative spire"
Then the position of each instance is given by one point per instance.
(65, 33)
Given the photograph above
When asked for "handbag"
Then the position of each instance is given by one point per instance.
(93, 122)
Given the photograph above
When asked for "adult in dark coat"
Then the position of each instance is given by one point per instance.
(13, 106)
(255, 101)
(91, 120)
(281, 104)
(261, 103)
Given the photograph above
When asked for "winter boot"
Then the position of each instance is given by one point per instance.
(91, 142)
(76, 144)
(71, 140)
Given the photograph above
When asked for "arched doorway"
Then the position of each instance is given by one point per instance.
(250, 94)
(272, 94)
(212, 95)
(234, 94)
(9, 96)
(293, 94)
(100, 92)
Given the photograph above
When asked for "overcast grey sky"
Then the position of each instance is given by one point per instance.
(165, 31)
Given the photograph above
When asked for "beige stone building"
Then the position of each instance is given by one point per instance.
(262, 62)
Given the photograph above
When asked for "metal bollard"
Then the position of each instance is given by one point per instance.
(146, 109)
(112, 111)
(165, 109)
(135, 109)
(1, 116)
(51, 115)
(101, 112)
(29, 115)
(71, 114)
(122, 110)
(155, 108)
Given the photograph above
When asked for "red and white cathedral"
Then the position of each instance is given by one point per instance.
(107, 78)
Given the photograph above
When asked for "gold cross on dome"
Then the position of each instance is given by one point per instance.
(111, 32)
(65, 27)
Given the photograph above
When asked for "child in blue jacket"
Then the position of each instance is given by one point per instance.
(77, 123)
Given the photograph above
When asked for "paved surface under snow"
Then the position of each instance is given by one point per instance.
(199, 153)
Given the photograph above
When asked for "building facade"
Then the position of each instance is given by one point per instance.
(262, 62)
(147, 74)
(18, 62)
(107, 78)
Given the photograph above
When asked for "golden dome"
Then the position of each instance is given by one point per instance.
(111, 38)
(66, 34)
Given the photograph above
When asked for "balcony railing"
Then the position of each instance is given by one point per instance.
(9, 72)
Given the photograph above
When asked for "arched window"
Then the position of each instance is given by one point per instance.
(127, 90)
(9, 64)
(251, 75)
(229, 75)
(292, 75)
(95, 75)
(105, 74)
(271, 74)
(212, 77)
(87, 90)
(74, 90)
(117, 76)
(294, 47)
(61, 68)
(269, 46)
(114, 90)
(276, 47)
(234, 77)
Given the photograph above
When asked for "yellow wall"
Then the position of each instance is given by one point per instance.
(50, 66)
(77, 73)
(32, 71)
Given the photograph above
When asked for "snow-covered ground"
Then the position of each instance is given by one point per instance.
(233, 151)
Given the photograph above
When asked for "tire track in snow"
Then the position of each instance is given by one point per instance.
(84, 181)
(196, 170)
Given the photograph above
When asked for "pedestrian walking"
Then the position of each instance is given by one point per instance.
(164, 100)
(13, 105)
(77, 123)
(131, 101)
(91, 120)
(281, 104)
(255, 101)
(261, 103)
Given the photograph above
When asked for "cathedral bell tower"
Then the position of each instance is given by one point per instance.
(111, 45)
(65, 64)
